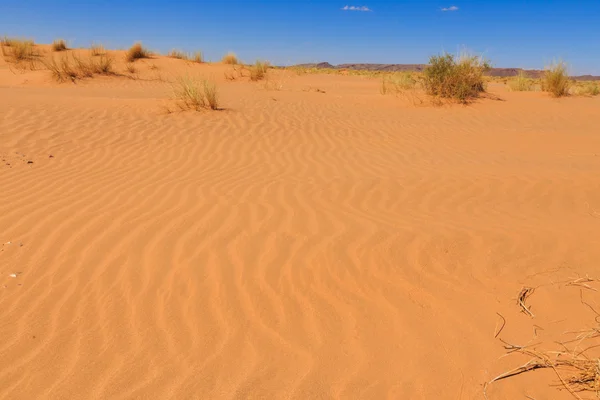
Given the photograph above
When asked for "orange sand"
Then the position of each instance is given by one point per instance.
(297, 244)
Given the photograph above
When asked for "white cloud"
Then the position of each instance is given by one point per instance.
(356, 8)
(451, 8)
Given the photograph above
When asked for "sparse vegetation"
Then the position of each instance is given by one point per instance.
(556, 80)
(19, 49)
(136, 52)
(73, 68)
(59, 45)
(130, 67)
(198, 57)
(461, 79)
(397, 82)
(521, 83)
(230, 58)
(193, 95)
(97, 50)
(586, 89)
(259, 70)
(180, 55)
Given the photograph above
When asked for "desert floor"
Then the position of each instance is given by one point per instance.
(312, 240)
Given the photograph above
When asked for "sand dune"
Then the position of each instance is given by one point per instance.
(296, 244)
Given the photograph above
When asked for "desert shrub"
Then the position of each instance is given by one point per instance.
(59, 45)
(258, 70)
(521, 83)
(230, 58)
(556, 80)
(136, 52)
(460, 79)
(194, 95)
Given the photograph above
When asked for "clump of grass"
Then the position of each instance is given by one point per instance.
(230, 58)
(259, 70)
(398, 82)
(73, 68)
(461, 79)
(587, 89)
(521, 83)
(136, 52)
(103, 65)
(59, 45)
(556, 80)
(198, 57)
(180, 55)
(19, 49)
(97, 50)
(193, 95)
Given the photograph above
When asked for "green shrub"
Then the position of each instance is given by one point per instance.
(460, 79)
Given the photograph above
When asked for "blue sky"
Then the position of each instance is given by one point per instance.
(510, 33)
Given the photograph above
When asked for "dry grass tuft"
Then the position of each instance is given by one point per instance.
(556, 80)
(180, 55)
(130, 67)
(587, 89)
(136, 52)
(19, 50)
(397, 83)
(197, 58)
(97, 50)
(59, 45)
(259, 70)
(192, 95)
(73, 68)
(230, 58)
(521, 83)
(460, 80)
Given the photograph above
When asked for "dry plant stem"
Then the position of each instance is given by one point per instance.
(522, 298)
(501, 328)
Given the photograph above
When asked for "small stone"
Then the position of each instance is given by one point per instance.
(29, 162)
(50, 156)
(13, 275)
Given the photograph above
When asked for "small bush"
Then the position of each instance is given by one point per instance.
(396, 83)
(59, 45)
(97, 50)
(136, 52)
(556, 80)
(230, 58)
(259, 70)
(191, 95)
(198, 57)
(521, 83)
(460, 79)
(178, 54)
(587, 89)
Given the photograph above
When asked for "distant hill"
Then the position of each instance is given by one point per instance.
(498, 72)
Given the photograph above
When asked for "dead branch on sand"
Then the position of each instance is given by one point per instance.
(522, 298)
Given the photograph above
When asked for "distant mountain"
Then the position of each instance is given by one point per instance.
(498, 72)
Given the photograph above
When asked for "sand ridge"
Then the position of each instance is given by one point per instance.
(297, 244)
